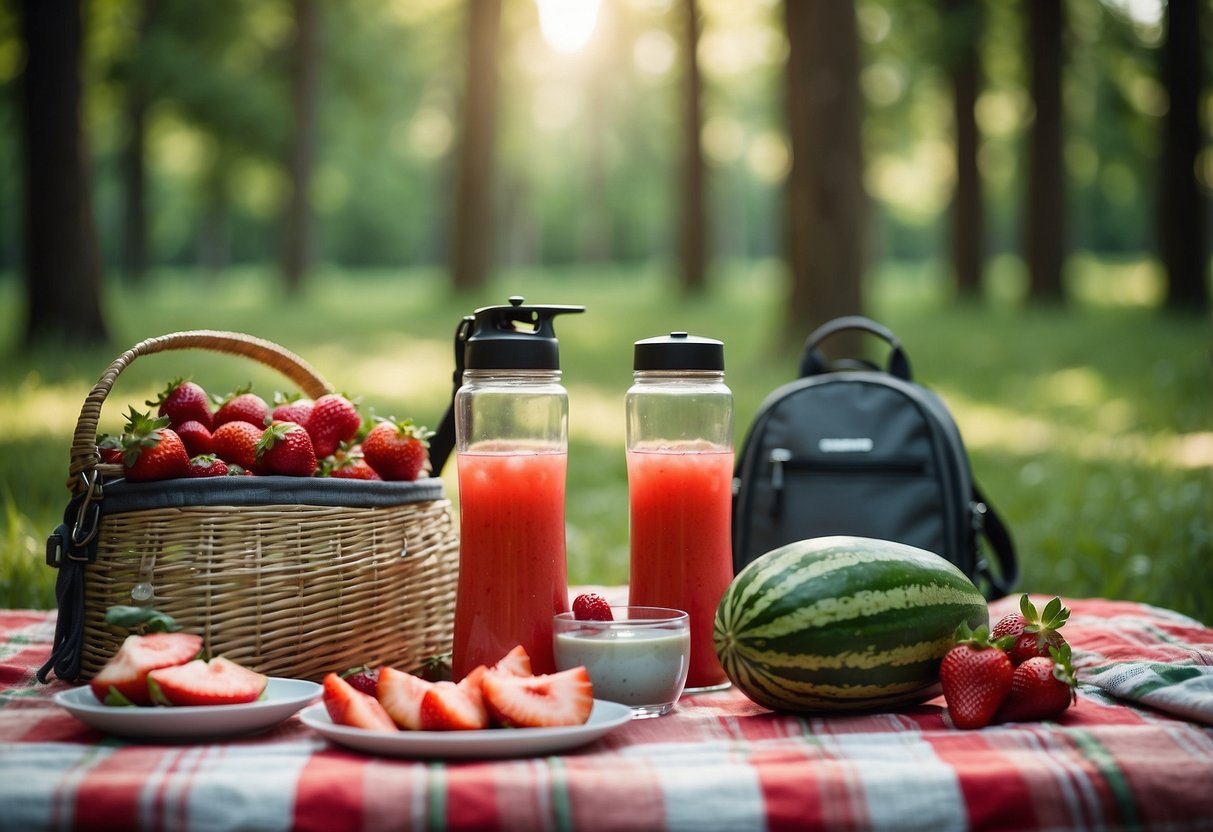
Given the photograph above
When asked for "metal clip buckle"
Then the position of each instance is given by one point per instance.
(977, 516)
(88, 516)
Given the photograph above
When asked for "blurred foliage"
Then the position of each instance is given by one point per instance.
(1088, 429)
(587, 145)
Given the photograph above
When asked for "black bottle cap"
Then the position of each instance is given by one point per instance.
(514, 337)
(678, 351)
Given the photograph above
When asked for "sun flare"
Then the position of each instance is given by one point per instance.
(567, 25)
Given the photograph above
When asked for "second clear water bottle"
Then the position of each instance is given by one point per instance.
(680, 476)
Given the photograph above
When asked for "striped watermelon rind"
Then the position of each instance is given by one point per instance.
(843, 623)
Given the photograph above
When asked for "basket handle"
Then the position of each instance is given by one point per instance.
(85, 457)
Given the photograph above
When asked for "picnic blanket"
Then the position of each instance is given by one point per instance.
(1135, 752)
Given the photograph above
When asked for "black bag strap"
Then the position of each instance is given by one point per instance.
(443, 440)
(989, 525)
(72, 545)
(813, 362)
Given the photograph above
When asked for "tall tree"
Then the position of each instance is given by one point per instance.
(472, 233)
(1183, 232)
(62, 266)
(1045, 206)
(968, 215)
(133, 162)
(826, 204)
(304, 72)
(693, 236)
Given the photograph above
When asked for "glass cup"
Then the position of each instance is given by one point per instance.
(640, 659)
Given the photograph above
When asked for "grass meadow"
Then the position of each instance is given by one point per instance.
(1089, 427)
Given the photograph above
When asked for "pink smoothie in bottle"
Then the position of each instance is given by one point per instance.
(512, 557)
(681, 504)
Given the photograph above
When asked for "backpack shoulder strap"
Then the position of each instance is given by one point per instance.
(990, 526)
(813, 362)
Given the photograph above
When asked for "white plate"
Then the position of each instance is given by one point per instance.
(283, 697)
(492, 742)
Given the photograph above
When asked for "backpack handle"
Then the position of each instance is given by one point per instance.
(813, 362)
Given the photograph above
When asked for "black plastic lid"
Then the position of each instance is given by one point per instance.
(678, 351)
(514, 337)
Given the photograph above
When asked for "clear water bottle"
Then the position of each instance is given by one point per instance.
(511, 436)
(680, 476)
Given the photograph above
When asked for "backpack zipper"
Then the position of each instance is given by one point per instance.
(781, 459)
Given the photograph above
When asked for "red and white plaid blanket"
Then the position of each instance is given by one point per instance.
(1135, 752)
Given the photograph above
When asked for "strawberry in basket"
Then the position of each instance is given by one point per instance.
(184, 401)
(151, 450)
(397, 450)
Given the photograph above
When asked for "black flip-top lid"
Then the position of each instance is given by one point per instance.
(678, 351)
(514, 337)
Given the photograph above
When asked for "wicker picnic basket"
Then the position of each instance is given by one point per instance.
(290, 576)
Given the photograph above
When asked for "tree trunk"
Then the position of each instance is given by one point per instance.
(472, 235)
(296, 221)
(1183, 229)
(134, 187)
(1046, 199)
(214, 236)
(968, 218)
(62, 269)
(826, 205)
(133, 162)
(693, 239)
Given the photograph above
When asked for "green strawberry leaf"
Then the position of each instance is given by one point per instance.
(141, 619)
(1027, 609)
(115, 699)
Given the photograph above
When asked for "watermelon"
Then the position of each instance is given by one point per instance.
(842, 624)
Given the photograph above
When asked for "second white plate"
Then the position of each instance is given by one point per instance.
(283, 697)
(493, 742)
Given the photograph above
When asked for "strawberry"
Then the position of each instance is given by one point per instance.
(285, 448)
(151, 450)
(1042, 688)
(293, 408)
(347, 706)
(555, 699)
(365, 679)
(516, 662)
(348, 464)
(447, 707)
(197, 437)
(436, 668)
(207, 465)
(472, 685)
(217, 682)
(243, 406)
(236, 444)
(183, 401)
(401, 694)
(1033, 634)
(976, 677)
(123, 679)
(353, 469)
(397, 450)
(110, 448)
(334, 419)
(591, 607)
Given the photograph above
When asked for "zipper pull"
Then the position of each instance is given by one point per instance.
(778, 457)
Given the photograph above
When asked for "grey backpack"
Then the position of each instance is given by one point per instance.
(850, 449)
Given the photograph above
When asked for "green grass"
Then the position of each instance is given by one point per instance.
(1088, 428)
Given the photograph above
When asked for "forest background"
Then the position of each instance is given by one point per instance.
(1020, 189)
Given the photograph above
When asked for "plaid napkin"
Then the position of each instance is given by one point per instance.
(1184, 690)
(1140, 654)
